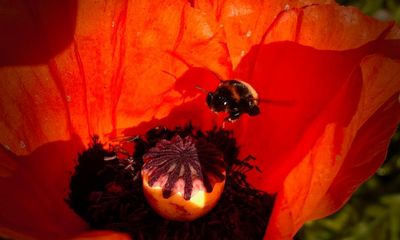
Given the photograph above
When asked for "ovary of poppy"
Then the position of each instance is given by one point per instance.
(177, 208)
(340, 68)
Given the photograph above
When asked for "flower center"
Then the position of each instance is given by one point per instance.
(109, 191)
(184, 165)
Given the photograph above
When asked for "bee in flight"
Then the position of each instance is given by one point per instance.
(234, 97)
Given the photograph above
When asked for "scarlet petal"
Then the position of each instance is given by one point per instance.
(120, 70)
(338, 28)
(101, 235)
(246, 22)
(325, 179)
(314, 93)
(35, 31)
(375, 121)
(304, 147)
(32, 201)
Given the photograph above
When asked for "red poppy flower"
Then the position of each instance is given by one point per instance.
(73, 69)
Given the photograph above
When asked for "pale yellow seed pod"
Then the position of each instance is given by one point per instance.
(183, 179)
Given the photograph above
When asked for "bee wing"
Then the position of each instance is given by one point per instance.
(201, 89)
(276, 101)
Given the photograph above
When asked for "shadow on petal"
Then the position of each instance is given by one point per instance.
(32, 199)
(32, 32)
(195, 111)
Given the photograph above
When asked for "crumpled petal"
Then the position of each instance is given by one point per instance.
(119, 71)
(246, 22)
(375, 121)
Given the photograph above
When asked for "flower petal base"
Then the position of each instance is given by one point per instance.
(176, 207)
(106, 191)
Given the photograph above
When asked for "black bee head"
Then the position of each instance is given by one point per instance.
(217, 102)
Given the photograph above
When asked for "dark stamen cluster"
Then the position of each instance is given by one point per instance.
(108, 194)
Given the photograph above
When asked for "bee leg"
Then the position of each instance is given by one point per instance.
(253, 110)
(233, 116)
(248, 158)
(249, 105)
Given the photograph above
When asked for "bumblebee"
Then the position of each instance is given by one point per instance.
(234, 97)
